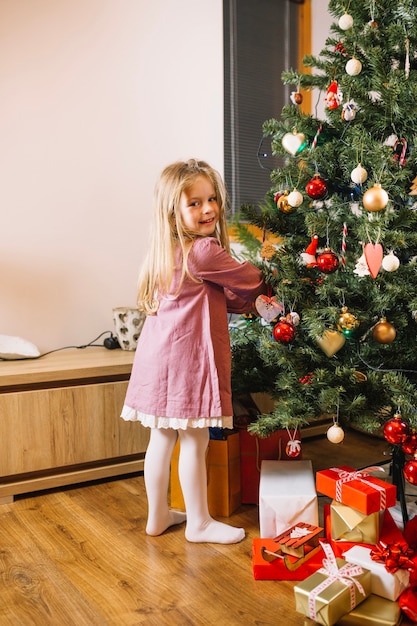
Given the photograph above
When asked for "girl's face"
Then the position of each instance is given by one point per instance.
(198, 207)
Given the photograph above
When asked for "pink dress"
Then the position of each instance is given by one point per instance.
(181, 374)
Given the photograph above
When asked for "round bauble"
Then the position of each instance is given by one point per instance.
(283, 204)
(359, 175)
(410, 444)
(328, 261)
(384, 332)
(396, 430)
(347, 322)
(316, 188)
(353, 67)
(296, 97)
(346, 21)
(390, 262)
(410, 471)
(293, 318)
(283, 332)
(295, 198)
(335, 434)
(375, 198)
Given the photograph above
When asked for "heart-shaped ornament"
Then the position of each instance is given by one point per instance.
(292, 142)
(374, 253)
(331, 342)
(268, 307)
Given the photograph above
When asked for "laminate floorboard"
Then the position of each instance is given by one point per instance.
(80, 556)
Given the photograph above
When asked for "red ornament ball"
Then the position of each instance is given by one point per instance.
(316, 188)
(396, 430)
(410, 444)
(284, 332)
(410, 471)
(328, 261)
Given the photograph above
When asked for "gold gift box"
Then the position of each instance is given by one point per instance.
(223, 476)
(374, 611)
(351, 525)
(334, 601)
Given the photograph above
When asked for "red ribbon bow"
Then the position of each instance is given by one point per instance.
(394, 556)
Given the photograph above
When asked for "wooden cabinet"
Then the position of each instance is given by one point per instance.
(60, 420)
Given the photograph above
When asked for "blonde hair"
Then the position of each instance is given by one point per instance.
(168, 230)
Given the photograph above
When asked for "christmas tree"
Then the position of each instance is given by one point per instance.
(336, 334)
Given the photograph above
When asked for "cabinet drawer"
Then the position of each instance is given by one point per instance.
(58, 427)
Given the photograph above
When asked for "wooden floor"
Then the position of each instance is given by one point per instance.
(80, 556)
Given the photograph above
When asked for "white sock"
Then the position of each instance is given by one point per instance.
(200, 527)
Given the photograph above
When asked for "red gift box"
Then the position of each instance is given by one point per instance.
(357, 489)
(277, 569)
(408, 603)
(254, 450)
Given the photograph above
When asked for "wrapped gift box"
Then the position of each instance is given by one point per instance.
(374, 611)
(278, 568)
(287, 495)
(357, 489)
(333, 590)
(223, 476)
(348, 524)
(254, 450)
(408, 603)
(383, 583)
(389, 533)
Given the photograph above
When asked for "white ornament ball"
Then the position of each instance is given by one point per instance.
(293, 318)
(353, 67)
(295, 198)
(359, 175)
(335, 434)
(346, 21)
(390, 262)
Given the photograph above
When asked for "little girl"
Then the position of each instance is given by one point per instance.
(181, 378)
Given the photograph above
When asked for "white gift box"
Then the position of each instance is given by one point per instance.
(287, 495)
(384, 584)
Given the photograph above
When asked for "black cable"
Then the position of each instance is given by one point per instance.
(87, 345)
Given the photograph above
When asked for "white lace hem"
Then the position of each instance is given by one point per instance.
(177, 423)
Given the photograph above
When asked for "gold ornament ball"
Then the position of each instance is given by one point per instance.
(375, 198)
(335, 434)
(384, 332)
(283, 203)
(347, 321)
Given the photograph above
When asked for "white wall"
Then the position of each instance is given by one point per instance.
(97, 96)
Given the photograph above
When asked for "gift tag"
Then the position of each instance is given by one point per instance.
(293, 447)
(268, 307)
(374, 254)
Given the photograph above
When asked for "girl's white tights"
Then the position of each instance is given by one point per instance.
(200, 526)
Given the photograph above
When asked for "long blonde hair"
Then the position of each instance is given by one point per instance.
(168, 230)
